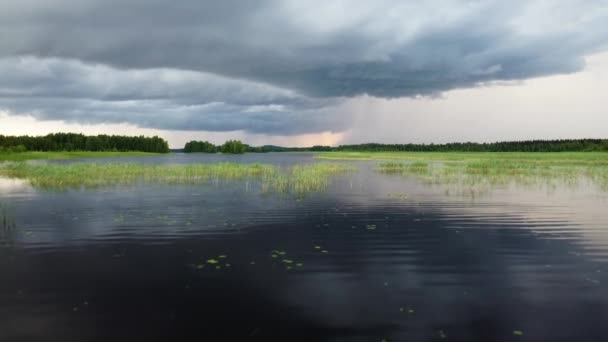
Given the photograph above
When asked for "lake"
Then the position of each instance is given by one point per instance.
(371, 257)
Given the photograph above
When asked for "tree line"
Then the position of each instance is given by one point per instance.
(81, 142)
(567, 145)
(230, 146)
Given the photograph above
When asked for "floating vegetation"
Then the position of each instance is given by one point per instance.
(399, 196)
(478, 172)
(289, 264)
(297, 179)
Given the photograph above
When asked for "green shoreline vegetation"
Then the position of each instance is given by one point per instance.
(297, 179)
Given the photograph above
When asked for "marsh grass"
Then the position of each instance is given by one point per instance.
(307, 178)
(551, 158)
(33, 155)
(300, 178)
(482, 172)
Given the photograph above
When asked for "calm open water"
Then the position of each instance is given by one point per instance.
(374, 257)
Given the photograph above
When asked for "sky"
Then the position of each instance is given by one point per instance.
(301, 73)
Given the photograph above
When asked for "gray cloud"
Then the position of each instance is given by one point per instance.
(273, 66)
(59, 89)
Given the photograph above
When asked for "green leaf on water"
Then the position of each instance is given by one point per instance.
(518, 333)
(287, 261)
(212, 261)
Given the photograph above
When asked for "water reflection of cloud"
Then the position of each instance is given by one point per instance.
(14, 187)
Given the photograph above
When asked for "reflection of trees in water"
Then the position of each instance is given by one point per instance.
(7, 224)
(7, 218)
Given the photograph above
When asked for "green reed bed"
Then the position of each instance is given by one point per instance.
(551, 158)
(300, 178)
(32, 155)
(479, 173)
(310, 177)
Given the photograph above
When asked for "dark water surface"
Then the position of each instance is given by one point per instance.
(374, 257)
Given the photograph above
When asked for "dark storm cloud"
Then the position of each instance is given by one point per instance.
(58, 89)
(273, 66)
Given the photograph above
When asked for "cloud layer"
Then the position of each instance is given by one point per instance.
(270, 66)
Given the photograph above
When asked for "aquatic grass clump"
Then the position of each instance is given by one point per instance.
(303, 178)
(95, 174)
(474, 172)
(398, 167)
(551, 158)
(32, 155)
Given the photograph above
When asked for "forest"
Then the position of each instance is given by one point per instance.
(80, 142)
(569, 145)
(229, 147)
